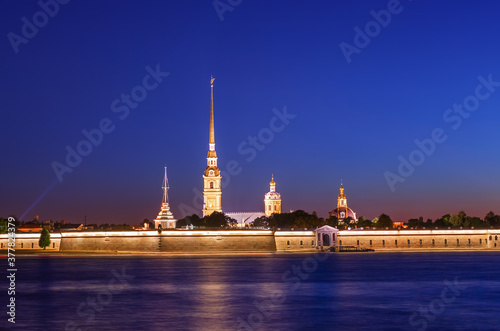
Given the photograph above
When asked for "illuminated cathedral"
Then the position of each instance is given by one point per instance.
(212, 192)
(342, 211)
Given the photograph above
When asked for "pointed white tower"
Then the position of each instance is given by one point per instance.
(165, 217)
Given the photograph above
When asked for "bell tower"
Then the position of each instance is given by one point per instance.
(341, 204)
(211, 178)
(272, 200)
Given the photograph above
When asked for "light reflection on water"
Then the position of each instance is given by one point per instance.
(345, 292)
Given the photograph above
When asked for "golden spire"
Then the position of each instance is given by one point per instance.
(212, 133)
(165, 187)
(272, 183)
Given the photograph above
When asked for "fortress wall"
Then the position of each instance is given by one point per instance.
(150, 241)
(218, 241)
(29, 241)
(295, 241)
(133, 241)
(421, 239)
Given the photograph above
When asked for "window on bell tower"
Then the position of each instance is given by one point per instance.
(211, 184)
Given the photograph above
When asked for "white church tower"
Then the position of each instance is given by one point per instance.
(272, 200)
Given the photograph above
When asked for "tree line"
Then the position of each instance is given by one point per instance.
(214, 220)
(300, 219)
(459, 220)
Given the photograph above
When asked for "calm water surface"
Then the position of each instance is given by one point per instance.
(357, 291)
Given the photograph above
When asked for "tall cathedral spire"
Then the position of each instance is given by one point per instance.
(212, 130)
(212, 178)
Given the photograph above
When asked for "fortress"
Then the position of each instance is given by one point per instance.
(168, 239)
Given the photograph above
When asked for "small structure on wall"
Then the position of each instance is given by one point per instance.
(326, 236)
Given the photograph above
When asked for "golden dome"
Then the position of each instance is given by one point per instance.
(341, 195)
(272, 181)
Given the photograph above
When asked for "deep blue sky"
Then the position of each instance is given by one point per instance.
(352, 120)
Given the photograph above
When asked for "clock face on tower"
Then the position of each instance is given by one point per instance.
(211, 172)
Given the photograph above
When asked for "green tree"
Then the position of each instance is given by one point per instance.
(194, 220)
(364, 223)
(332, 221)
(348, 220)
(475, 222)
(44, 239)
(443, 222)
(457, 220)
(262, 221)
(440, 223)
(384, 221)
(297, 219)
(214, 220)
(180, 223)
(415, 223)
(302, 219)
(429, 223)
(492, 219)
(3, 225)
(231, 221)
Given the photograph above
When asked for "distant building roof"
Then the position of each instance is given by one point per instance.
(245, 217)
(71, 226)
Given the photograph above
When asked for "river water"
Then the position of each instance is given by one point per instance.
(335, 291)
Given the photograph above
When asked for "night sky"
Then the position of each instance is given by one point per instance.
(353, 115)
